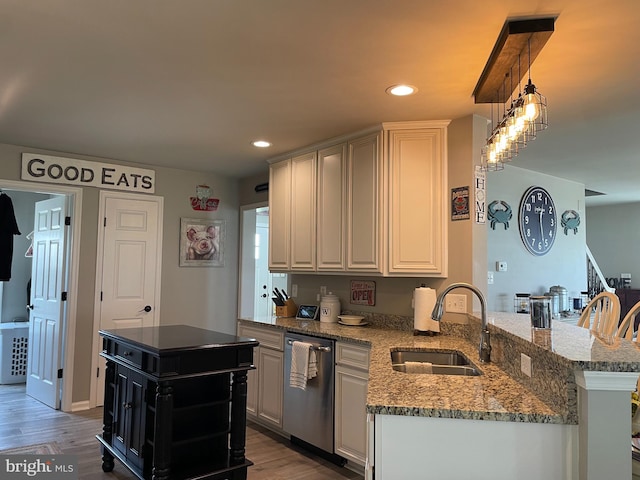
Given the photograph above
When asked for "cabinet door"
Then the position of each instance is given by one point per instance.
(351, 415)
(332, 183)
(279, 215)
(418, 202)
(363, 204)
(129, 414)
(270, 386)
(303, 212)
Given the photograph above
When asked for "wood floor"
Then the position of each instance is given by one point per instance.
(25, 421)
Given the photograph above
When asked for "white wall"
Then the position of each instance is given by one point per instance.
(200, 296)
(564, 265)
(613, 237)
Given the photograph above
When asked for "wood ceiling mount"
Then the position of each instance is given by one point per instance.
(494, 85)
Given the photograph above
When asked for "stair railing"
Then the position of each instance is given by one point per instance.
(596, 282)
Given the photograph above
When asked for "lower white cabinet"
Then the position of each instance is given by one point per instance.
(351, 376)
(265, 383)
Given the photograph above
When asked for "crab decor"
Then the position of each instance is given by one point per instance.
(499, 215)
(570, 221)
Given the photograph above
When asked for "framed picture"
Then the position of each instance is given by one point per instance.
(201, 242)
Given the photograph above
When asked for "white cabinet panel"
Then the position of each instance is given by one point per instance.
(331, 208)
(270, 386)
(351, 377)
(303, 212)
(417, 202)
(279, 215)
(363, 204)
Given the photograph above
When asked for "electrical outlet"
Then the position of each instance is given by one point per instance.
(294, 289)
(525, 364)
(456, 303)
(489, 278)
(323, 290)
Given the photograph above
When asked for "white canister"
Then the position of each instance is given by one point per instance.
(329, 308)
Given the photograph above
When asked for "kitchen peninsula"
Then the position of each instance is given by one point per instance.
(504, 424)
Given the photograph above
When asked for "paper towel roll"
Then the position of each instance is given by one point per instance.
(424, 299)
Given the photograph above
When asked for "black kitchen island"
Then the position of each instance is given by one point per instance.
(175, 402)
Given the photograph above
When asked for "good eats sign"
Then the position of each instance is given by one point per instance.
(45, 168)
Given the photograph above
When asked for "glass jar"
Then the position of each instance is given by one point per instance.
(540, 310)
(521, 303)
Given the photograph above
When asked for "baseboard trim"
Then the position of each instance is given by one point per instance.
(79, 406)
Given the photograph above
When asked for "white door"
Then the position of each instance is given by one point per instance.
(263, 306)
(46, 306)
(130, 267)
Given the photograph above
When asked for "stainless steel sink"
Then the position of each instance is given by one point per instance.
(443, 362)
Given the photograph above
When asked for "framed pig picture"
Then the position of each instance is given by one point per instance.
(201, 242)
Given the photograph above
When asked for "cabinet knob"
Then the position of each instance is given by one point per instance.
(126, 354)
(126, 405)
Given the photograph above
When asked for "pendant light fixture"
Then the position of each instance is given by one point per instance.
(527, 114)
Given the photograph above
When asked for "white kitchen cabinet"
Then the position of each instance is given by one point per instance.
(351, 380)
(292, 214)
(279, 215)
(265, 383)
(418, 202)
(375, 203)
(364, 174)
(270, 386)
(303, 212)
(331, 214)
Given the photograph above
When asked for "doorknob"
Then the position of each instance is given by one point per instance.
(30, 307)
(147, 308)
(264, 295)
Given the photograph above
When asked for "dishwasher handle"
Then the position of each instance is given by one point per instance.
(318, 348)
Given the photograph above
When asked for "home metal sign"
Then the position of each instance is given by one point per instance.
(69, 171)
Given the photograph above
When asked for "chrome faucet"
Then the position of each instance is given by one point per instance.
(485, 340)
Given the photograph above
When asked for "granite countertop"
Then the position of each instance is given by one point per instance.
(577, 347)
(494, 395)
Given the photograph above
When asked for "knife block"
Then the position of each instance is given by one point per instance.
(289, 309)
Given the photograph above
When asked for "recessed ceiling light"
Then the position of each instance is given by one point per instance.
(261, 144)
(401, 90)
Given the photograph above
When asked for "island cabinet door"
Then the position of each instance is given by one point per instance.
(129, 408)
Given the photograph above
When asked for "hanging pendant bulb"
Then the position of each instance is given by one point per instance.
(535, 107)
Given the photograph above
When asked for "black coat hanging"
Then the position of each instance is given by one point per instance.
(8, 228)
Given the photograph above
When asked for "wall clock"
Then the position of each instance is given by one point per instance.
(537, 220)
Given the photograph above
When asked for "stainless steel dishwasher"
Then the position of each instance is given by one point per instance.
(309, 414)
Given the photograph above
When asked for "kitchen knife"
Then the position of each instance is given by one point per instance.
(277, 301)
(279, 295)
(286, 297)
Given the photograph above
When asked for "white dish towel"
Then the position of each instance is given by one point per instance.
(418, 367)
(303, 365)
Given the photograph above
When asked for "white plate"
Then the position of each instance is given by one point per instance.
(361, 324)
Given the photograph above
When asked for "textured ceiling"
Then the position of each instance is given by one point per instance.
(191, 83)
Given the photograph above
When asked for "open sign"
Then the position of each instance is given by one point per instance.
(363, 292)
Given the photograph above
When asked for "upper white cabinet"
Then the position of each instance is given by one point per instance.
(303, 212)
(374, 203)
(292, 214)
(417, 192)
(332, 208)
(364, 176)
(279, 215)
